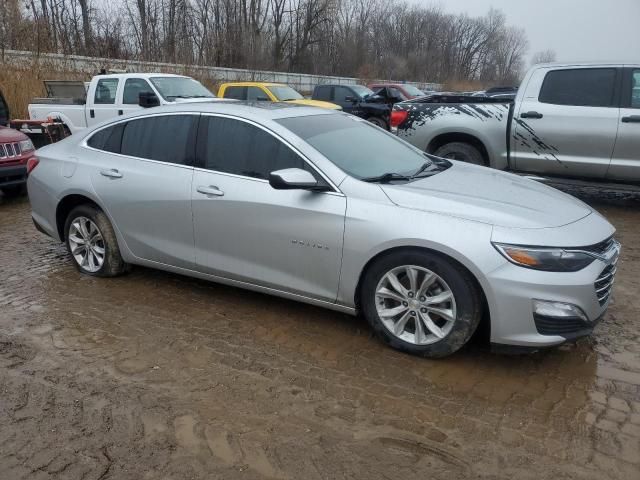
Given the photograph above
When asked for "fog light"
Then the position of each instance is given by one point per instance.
(558, 310)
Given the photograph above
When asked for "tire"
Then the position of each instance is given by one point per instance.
(12, 191)
(465, 152)
(105, 259)
(378, 122)
(416, 338)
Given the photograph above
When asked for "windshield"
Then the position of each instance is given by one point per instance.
(413, 91)
(180, 87)
(361, 90)
(285, 93)
(360, 149)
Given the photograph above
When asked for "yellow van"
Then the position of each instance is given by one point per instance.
(269, 92)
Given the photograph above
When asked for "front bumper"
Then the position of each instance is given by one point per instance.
(13, 176)
(514, 288)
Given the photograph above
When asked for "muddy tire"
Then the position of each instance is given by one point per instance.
(13, 191)
(421, 303)
(378, 122)
(92, 244)
(465, 152)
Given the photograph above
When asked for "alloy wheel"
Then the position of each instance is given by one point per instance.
(86, 244)
(415, 304)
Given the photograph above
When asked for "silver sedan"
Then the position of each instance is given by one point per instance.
(322, 207)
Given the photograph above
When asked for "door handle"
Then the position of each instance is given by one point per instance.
(210, 190)
(531, 115)
(113, 173)
(120, 112)
(92, 113)
(631, 119)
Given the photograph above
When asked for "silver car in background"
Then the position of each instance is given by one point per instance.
(322, 207)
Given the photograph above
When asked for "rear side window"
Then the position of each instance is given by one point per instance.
(322, 93)
(106, 91)
(237, 147)
(588, 87)
(237, 93)
(165, 138)
(108, 139)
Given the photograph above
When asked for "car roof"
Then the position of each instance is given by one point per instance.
(257, 111)
(253, 84)
(140, 75)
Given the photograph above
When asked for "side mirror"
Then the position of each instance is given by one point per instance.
(148, 100)
(292, 179)
(263, 99)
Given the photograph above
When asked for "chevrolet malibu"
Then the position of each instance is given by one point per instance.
(322, 207)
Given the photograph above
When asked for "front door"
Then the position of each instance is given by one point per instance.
(289, 240)
(570, 127)
(142, 176)
(625, 163)
(133, 87)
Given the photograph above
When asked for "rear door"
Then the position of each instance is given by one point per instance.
(142, 172)
(245, 230)
(102, 103)
(625, 163)
(567, 121)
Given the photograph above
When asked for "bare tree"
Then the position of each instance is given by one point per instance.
(545, 56)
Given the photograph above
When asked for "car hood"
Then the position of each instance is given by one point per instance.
(489, 196)
(8, 135)
(315, 103)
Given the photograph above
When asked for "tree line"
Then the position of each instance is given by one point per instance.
(390, 39)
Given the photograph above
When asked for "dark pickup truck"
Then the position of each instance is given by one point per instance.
(15, 152)
(360, 101)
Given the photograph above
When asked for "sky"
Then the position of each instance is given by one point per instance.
(578, 30)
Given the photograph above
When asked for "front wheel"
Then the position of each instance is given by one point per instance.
(421, 303)
(92, 244)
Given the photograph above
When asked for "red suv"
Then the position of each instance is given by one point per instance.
(15, 151)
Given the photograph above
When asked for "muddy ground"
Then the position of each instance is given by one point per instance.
(157, 376)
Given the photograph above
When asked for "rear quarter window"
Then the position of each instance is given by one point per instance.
(108, 139)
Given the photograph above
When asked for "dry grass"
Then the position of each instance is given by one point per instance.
(21, 84)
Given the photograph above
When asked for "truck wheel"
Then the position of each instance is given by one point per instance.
(92, 243)
(378, 122)
(13, 191)
(465, 152)
(421, 303)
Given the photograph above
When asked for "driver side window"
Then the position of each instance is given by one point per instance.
(237, 147)
(341, 94)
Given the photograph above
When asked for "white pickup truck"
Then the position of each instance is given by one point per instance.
(79, 106)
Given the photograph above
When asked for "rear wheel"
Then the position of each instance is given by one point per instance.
(465, 152)
(91, 242)
(421, 303)
(379, 122)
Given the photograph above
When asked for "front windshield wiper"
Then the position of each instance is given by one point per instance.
(189, 96)
(423, 169)
(386, 178)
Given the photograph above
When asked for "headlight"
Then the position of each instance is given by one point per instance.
(26, 146)
(546, 259)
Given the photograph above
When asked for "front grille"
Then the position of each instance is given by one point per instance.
(562, 327)
(9, 150)
(600, 248)
(604, 283)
